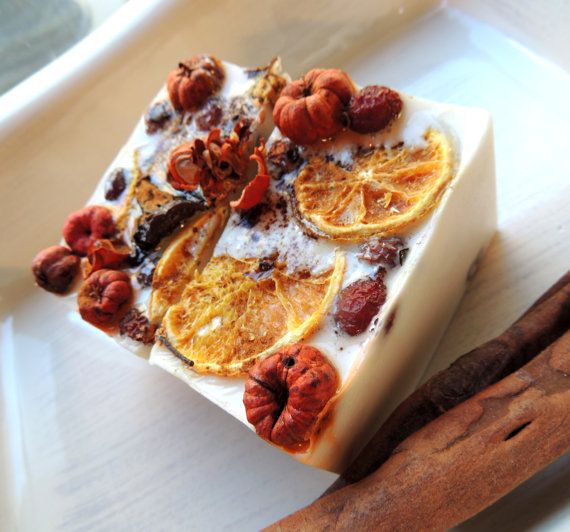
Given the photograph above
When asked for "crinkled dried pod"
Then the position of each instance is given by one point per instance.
(217, 165)
(311, 108)
(287, 393)
(55, 269)
(104, 296)
(194, 81)
(83, 227)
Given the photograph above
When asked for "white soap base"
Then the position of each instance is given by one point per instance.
(422, 298)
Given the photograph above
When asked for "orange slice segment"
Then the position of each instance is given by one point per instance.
(384, 192)
(229, 317)
(186, 253)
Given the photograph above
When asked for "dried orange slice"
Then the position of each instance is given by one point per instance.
(385, 191)
(186, 253)
(231, 315)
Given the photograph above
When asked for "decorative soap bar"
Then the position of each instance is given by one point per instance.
(291, 250)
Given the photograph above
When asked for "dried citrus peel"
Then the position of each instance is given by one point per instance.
(226, 321)
(255, 190)
(183, 256)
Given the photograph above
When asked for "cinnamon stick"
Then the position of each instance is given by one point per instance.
(463, 461)
(543, 322)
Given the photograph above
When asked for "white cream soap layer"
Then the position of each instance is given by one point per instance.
(380, 367)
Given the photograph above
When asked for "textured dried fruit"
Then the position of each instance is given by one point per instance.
(55, 268)
(83, 227)
(136, 326)
(311, 108)
(286, 394)
(217, 165)
(157, 116)
(105, 254)
(104, 296)
(284, 156)
(381, 251)
(373, 108)
(115, 184)
(255, 190)
(382, 193)
(194, 81)
(210, 117)
(162, 223)
(359, 302)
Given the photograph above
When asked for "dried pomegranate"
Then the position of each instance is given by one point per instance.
(255, 190)
(213, 163)
(83, 227)
(373, 108)
(359, 302)
(311, 108)
(194, 81)
(104, 296)
(136, 326)
(55, 268)
(381, 251)
(287, 392)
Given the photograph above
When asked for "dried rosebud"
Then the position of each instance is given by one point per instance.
(381, 251)
(373, 108)
(115, 184)
(136, 326)
(286, 394)
(55, 268)
(83, 227)
(359, 302)
(284, 156)
(104, 296)
(194, 81)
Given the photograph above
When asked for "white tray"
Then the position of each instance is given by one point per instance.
(94, 438)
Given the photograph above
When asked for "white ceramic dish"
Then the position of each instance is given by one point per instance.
(94, 438)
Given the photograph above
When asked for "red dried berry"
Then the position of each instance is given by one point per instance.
(359, 302)
(373, 108)
(83, 227)
(55, 268)
(136, 326)
(104, 296)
